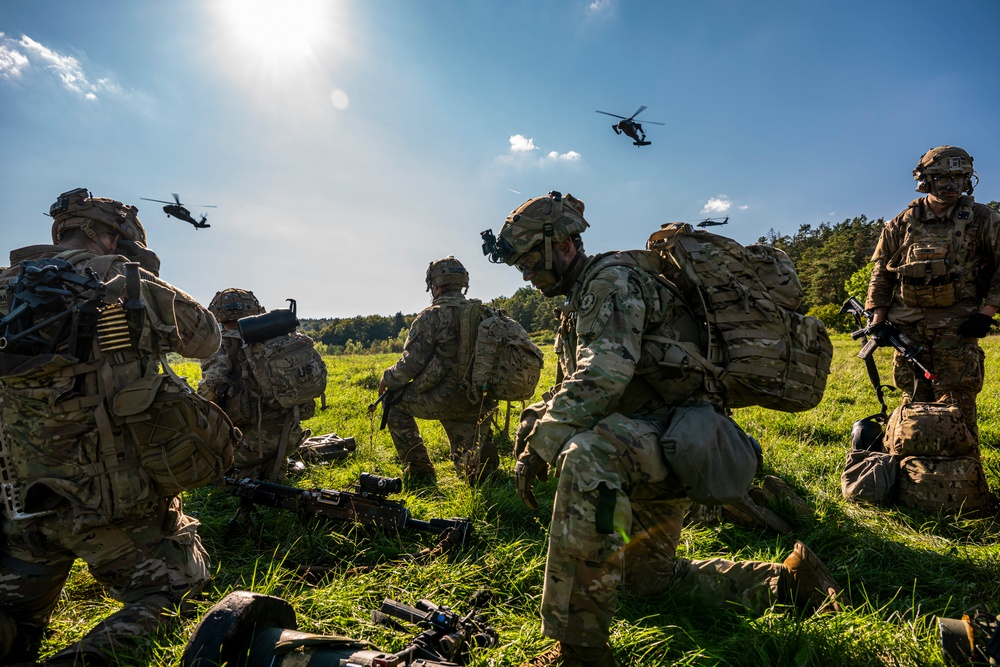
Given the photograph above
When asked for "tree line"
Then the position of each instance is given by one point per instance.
(832, 261)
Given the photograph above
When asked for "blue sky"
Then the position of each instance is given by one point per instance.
(347, 143)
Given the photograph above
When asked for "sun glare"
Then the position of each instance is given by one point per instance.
(278, 31)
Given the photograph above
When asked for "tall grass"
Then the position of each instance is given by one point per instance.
(899, 568)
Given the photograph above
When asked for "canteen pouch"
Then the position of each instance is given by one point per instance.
(712, 457)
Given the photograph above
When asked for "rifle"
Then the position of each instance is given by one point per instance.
(388, 398)
(366, 505)
(896, 338)
(447, 637)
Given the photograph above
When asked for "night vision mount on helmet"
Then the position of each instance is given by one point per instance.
(942, 161)
(535, 225)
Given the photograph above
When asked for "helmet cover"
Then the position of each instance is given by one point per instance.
(79, 209)
(233, 303)
(541, 221)
(941, 161)
(447, 272)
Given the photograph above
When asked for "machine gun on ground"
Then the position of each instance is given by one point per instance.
(367, 505)
(447, 637)
(247, 629)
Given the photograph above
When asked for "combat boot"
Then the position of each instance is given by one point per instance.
(571, 655)
(749, 514)
(781, 490)
(812, 587)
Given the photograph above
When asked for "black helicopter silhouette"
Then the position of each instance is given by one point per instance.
(177, 210)
(713, 222)
(630, 127)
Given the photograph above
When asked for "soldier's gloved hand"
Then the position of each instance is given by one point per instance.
(880, 333)
(139, 253)
(528, 419)
(530, 467)
(977, 326)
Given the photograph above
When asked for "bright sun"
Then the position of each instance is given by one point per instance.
(278, 31)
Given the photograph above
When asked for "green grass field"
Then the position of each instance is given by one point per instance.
(899, 568)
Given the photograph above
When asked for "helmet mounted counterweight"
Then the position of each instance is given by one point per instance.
(78, 209)
(447, 272)
(233, 303)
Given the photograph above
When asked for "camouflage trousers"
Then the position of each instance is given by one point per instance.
(958, 362)
(617, 521)
(148, 563)
(473, 451)
(257, 455)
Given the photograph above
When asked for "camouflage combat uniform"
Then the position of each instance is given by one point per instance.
(430, 360)
(271, 433)
(957, 360)
(140, 546)
(601, 432)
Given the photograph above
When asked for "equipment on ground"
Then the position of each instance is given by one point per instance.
(631, 127)
(179, 211)
(247, 629)
(367, 505)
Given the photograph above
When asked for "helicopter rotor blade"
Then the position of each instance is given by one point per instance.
(176, 198)
(652, 122)
(612, 114)
(641, 109)
(156, 200)
(206, 206)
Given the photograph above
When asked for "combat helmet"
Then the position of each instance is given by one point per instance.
(447, 272)
(234, 303)
(535, 225)
(944, 160)
(79, 209)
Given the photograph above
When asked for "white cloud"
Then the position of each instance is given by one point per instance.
(17, 56)
(719, 204)
(569, 156)
(744, 207)
(600, 5)
(521, 144)
(12, 61)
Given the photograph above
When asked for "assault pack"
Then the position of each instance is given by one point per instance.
(80, 356)
(760, 351)
(284, 362)
(500, 359)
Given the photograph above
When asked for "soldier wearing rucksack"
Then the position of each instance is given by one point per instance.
(245, 378)
(635, 432)
(83, 335)
(431, 374)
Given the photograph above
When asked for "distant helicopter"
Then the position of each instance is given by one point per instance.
(177, 210)
(630, 127)
(713, 222)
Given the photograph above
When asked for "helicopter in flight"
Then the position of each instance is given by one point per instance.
(713, 222)
(630, 127)
(177, 210)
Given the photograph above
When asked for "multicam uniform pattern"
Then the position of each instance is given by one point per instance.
(143, 548)
(957, 360)
(268, 429)
(618, 513)
(431, 360)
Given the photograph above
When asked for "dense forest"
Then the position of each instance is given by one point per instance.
(832, 260)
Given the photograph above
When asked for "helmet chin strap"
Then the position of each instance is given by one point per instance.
(562, 276)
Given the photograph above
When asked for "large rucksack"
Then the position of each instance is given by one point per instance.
(288, 369)
(767, 354)
(499, 359)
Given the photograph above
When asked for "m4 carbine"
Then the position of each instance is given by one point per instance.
(366, 505)
(893, 336)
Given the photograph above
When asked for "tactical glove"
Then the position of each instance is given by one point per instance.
(139, 253)
(880, 333)
(528, 419)
(977, 326)
(529, 468)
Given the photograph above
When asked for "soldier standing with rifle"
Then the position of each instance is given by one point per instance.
(618, 508)
(430, 376)
(935, 278)
(78, 490)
